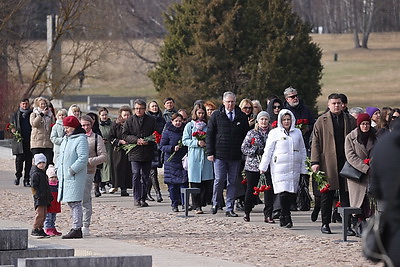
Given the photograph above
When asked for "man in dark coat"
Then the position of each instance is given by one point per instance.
(300, 111)
(22, 148)
(327, 154)
(134, 131)
(227, 128)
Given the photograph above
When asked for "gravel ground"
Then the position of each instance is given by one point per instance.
(216, 237)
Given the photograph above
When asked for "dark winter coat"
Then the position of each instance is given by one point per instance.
(23, 126)
(132, 131)
(40, 187)
(173, 169)
(302, 112)
(160, 121)
(225, 137)
(121, 165)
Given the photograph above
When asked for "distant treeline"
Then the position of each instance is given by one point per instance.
(138, 18)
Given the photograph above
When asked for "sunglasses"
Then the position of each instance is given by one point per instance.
(292, 96)
(276, 107)
(394, 117)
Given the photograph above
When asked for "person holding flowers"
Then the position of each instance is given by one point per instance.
(135, 131)
(285, 154)
(200, 170)
(171, 144)
(21, 129)
(327, 155)
(358, 147)
(253, 148)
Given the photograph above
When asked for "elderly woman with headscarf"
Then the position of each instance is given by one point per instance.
(253, 148)
(285, 154)
(358, 147)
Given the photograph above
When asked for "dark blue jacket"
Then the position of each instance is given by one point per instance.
(225, 137)
(173, 169)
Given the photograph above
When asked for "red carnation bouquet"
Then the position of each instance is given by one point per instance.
(274, 124)
(154, 137)
(302, 125)
(319, 177)
(13, 130)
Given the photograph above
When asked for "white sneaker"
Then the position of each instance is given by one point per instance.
(85, 231)
(113, 190)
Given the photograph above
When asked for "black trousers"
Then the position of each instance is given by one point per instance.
(327, 201)
(20, 159)
(205, 196)
(250, 199)
(286, 200)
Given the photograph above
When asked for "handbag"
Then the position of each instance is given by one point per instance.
(349, 172)
(185, 162)
(303, 195)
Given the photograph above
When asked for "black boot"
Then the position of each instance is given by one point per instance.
(336, 216)
(288, 221)
(97, 190)
(16, 181)
(317, 208)
(124, 193)
(282, 221)
(155, 184)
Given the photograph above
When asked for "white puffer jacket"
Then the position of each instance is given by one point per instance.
(286, 155)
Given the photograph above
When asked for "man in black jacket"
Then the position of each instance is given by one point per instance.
(22, 148)
(135, 130)
(227, 128)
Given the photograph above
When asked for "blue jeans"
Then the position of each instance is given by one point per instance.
(50, 222)
(140, 179)
(226, 172)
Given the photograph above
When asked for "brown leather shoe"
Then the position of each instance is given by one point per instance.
(269, 220)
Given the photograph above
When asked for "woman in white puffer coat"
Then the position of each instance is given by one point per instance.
(285, 153)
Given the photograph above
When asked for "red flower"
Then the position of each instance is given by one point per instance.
(274, 124)
(268, 188)
(325, 189)
(157, 137)
(302, 121)
(244, 181)
(262, 188)
(256, 189)
(367, 161)
(253, 140)
(338, 204)
(8, 126)
(255, 193)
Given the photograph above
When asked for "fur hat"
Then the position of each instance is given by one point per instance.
(51, 171)
(363, 117)
(263, 114)
(71, 121)
(371, 110)
(38, 158)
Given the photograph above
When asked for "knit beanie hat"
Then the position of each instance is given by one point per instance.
(363, 117)
(371, 110)
(51, 171)
(71, 121)
(263, 114)
(38, 158)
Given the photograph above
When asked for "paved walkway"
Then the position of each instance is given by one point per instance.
(161, 257)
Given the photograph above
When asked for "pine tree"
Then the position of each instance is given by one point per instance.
(251, 47)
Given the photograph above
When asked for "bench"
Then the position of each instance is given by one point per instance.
(345, 212)
(186, 193)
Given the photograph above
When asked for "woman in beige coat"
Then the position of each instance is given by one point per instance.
(42, 120)
(358, 146)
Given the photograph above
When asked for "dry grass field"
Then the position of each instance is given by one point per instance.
(367, 76)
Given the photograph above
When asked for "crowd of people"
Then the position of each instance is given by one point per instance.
(245, 149)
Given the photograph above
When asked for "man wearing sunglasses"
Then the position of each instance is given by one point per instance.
(300, 111)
